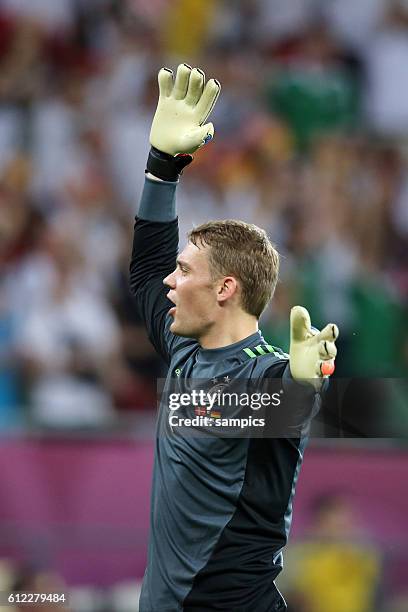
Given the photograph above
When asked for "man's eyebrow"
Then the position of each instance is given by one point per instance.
(182, 263)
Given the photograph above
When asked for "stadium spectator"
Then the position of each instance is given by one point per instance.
(387, 90)
(336, 568)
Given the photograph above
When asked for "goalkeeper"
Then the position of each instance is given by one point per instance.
(221, 506)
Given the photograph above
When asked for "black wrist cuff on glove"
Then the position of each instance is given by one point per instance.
(167, 167)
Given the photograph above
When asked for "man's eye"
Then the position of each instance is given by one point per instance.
(182, 269)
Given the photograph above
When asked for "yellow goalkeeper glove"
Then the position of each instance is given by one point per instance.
(311, 353)
(179, 127)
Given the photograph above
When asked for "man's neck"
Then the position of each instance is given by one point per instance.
(229, 332)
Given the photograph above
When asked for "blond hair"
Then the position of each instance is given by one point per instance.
(244, 251)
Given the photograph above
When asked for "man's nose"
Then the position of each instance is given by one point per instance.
(169, 281)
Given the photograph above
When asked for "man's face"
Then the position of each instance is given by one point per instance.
(193, 292)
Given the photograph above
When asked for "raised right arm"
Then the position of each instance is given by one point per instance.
(177, 131)
(155, 245)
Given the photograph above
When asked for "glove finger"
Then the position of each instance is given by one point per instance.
(195, 86)
(330, 332)
(165, 79)
(300, 325)
(207, 101)
(181, 82)
(325, 367)
(327, 350)
(198, 137)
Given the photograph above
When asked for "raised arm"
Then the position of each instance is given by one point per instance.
(178, 130)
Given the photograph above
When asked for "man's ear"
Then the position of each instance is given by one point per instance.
(227, 288)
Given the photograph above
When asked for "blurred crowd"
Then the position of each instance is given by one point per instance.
(311, 144)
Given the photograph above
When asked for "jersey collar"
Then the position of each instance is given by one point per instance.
(225, 352)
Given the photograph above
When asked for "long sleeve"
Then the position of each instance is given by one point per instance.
(153, 258)
(299, 402)
(155, 247)
(154, 253)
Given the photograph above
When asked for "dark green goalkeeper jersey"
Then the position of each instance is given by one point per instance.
(221, 506)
